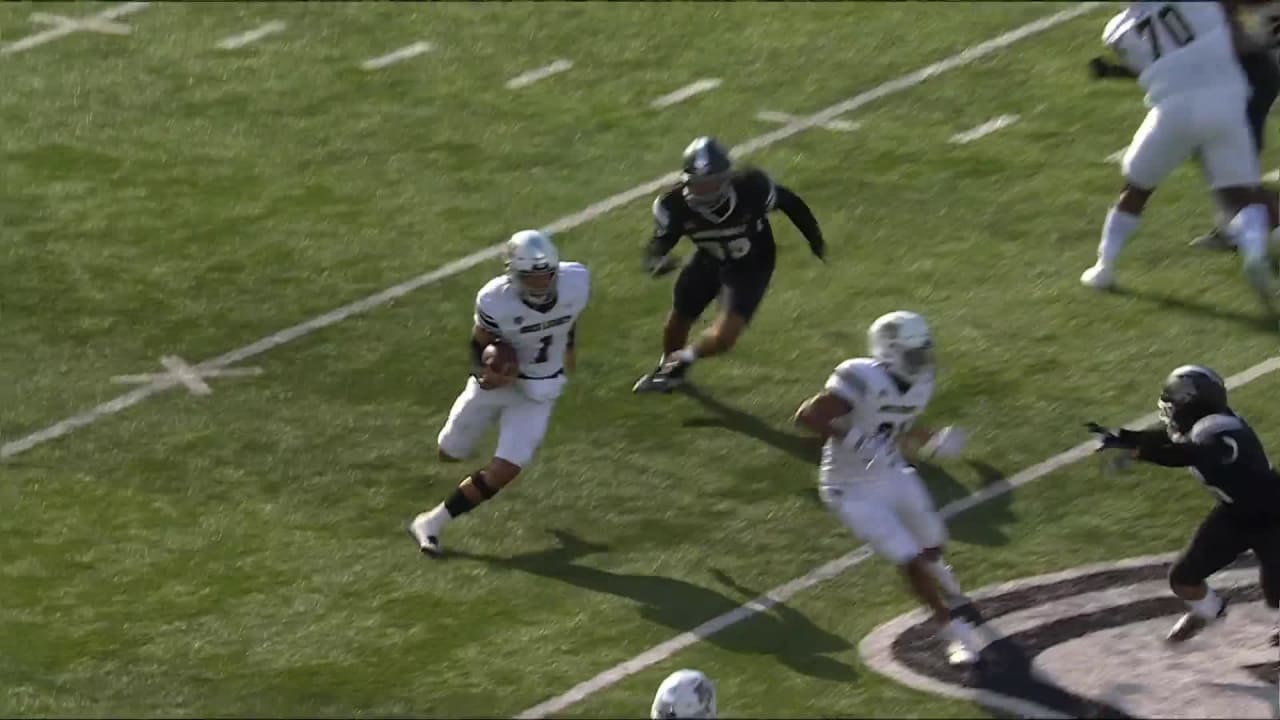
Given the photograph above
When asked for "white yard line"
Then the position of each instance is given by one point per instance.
(1272, 176)
(821, 574)
(67, 26)
(525, 79)
(986, 128)
(235, 42)
(88, 417)
(784, 118)
(396, 56)
(1117, 156)
(694, 88)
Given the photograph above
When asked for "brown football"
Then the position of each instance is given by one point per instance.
(501, 358)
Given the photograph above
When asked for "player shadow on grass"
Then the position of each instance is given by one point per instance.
(1251, 320)
(943, 486)
(781, 632)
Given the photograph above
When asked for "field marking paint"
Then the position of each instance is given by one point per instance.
(993, 125)
(525, 79)
(784, 118)
(1272, 176)
(235, 42)
(396, 56)
(180, 373)
(694, 88)
(1117, 156)
(65, 26)
(106, 27)
(123, 402)
(823, 573)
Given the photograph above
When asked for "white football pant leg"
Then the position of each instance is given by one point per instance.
(521, 427)
(471, 415)
(1160, 145)
(867, 508)
(915, 507)
(1227, 152)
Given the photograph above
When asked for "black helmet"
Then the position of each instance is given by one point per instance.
(706, 172)
(1191, 392)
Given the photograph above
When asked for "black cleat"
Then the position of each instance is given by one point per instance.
(666, 378)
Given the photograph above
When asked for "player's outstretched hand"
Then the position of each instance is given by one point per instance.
(1109, 439)
(1099, 68)
(659, 266)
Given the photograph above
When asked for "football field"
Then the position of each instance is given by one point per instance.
(240, 245)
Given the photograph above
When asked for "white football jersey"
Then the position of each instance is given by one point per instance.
(882, 411)
(541, 338)
(1176, 47)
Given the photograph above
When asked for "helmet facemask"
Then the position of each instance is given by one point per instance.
(536, 286)
(706, 192)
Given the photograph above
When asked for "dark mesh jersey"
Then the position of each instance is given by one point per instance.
(737, 230)
(1224, 453)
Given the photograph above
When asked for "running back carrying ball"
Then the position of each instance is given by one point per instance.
(501, 358)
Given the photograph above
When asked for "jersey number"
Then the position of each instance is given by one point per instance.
(733, 249)
(1174, 25)
(544, 348)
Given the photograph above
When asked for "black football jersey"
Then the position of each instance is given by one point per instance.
(1224, 453)
(737, 230)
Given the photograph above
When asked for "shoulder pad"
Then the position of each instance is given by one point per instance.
(491, 296)
(1211, 426)
(574, 277)
(859, 375)
(760, 186)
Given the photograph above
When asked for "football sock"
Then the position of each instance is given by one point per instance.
(1249, 231)
(946, 579)
(457, 504)
(1208, 606)
(685, 355)
(1116, 229)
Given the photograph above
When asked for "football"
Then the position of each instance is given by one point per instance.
(501, 358)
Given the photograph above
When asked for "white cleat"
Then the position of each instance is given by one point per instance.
(1190, 625)
(1098, 277)
(962, 647)
(426, 533)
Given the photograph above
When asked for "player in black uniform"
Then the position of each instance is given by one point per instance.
(1201, 432)
(725, 213)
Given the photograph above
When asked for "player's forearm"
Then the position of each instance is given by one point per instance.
(659, 246)
(1154, 446)
(477, 354)
(798, 212)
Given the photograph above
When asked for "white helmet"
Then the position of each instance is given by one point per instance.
(532, 261)
(684, 694)
(901, 340)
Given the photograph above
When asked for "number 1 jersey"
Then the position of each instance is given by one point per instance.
(541, 335)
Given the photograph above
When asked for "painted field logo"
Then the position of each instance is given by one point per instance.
(1089, 643)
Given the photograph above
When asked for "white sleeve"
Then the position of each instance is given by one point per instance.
(847, 384)
(484, 313)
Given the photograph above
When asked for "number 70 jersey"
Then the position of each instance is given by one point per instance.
(1176, 47)
(541, 336)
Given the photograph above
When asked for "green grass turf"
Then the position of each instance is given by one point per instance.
(242, 554)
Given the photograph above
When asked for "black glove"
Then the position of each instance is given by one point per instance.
(819, 249)
(659, 265)
(1099, 68)
(1113, 440)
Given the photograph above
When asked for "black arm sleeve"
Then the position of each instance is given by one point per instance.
(801, 216)
(665, 234)
(1154, 446)
(573, 336)
(1116, 70)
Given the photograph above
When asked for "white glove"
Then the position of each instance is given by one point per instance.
(946, 444)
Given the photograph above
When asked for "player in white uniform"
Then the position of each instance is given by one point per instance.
(534, 307)
(866, 412)
(684, 694)
(1185, 58)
